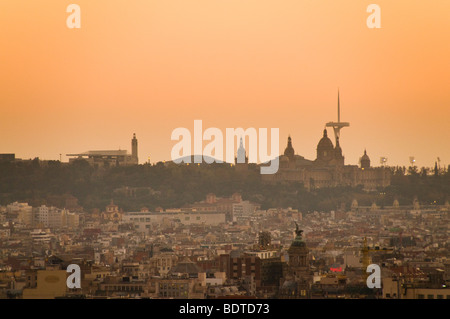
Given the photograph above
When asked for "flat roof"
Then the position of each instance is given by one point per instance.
(101, 153)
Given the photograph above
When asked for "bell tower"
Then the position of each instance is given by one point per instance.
(134, 148)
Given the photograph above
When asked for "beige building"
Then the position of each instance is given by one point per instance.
(395, 289)
(23, 211)
(52, 217)
(176, 288)
(49, 285)
(144, 221)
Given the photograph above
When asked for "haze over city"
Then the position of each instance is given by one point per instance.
(344, 106)
(152, 66)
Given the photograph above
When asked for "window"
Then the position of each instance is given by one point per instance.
(421, 297)
(440, 297)
(430, 296)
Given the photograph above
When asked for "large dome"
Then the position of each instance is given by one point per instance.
(325, 148)
(325, 143)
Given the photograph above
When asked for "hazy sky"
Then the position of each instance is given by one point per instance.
(150, 66)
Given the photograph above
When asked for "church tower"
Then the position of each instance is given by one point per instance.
(241, 160)
(134, 148)
(289, 151)
(339, 158)
(241, 157)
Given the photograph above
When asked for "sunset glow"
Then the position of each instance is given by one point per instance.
(147, 67)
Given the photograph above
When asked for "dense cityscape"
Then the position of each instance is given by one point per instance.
(225, 159)
(228, 246)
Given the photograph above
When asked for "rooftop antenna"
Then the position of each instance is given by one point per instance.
(339, 109)
(337, 125)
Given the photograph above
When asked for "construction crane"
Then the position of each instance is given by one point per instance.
(366, 260)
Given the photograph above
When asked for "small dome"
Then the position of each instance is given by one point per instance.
(289, 151)
(365, 157)
(365, 160)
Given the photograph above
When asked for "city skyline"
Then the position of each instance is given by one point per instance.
(376, 161)
(151, 67)
(91, 92)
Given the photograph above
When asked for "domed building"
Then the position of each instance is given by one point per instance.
(365, 161)
(328, 169)
(289, 151)
(327, 154)
(297, 282)
(112, 213)
(325, 149)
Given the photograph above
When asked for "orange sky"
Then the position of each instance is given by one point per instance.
(149, 66)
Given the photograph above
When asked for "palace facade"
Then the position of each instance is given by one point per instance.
(328, 169)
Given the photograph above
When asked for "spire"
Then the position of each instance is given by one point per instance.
(325, 134)
(241, 158)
